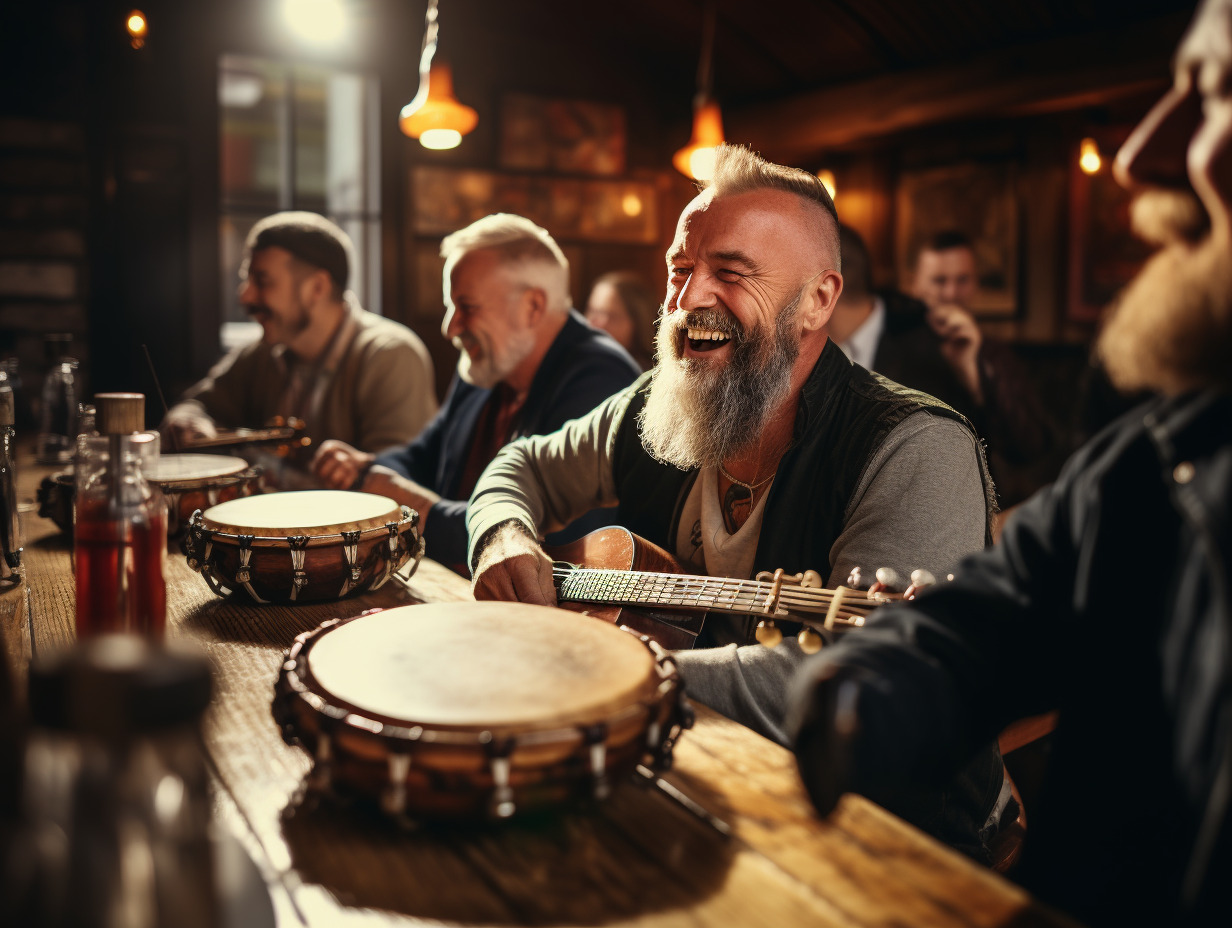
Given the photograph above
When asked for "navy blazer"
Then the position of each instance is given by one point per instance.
(583, 367)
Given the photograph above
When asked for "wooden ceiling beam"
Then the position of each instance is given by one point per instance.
(1058, 74)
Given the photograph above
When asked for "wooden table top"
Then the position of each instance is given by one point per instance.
(638, 858)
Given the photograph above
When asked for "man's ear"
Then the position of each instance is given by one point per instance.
(533, 305)
(819, 300)
(317, 287)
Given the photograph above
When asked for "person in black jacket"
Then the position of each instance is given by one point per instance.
(528, 363)
(936, 347)
(1107, 598)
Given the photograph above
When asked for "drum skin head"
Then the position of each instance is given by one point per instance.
(310, 512)
(176, 468)
(480, 666)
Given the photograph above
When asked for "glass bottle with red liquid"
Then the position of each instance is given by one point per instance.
(120, 525)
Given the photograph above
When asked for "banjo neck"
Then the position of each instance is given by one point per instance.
(768, 598)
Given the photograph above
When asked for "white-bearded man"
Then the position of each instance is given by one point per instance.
(755, 444)
(1107, 598)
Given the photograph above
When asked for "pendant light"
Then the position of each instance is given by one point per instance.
(696, 160)
(435, 117)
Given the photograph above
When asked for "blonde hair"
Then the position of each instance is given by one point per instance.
(739, 169)
(520, 244)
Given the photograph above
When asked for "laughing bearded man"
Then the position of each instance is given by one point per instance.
(754, 444)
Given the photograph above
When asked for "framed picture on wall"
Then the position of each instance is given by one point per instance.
(978, 199)
(1104, 254)
(562, 136)
(617, 211)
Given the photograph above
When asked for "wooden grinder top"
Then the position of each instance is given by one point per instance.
(119, 413)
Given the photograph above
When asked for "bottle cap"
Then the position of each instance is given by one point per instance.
(119, 413)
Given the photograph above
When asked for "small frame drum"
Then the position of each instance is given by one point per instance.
(304, 546)
(477, 710)
(198, 481)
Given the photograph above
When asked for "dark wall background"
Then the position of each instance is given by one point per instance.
(109, 161)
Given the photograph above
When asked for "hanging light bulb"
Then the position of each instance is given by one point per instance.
(435, 117)
(1088, 156)
(138, 27)
(826, 176)
(696, 159)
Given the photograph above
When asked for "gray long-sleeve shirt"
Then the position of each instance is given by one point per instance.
(919, 503)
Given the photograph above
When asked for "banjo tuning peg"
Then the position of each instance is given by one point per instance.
(810, 642)
(855, 579)
(768, 633)
(919, 580)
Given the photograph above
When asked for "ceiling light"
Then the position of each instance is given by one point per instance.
(1088, 156)
(137, 27)
(826, 176)
(435, 116)
(696, 159)
(317, 22)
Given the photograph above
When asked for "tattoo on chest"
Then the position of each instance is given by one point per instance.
(737, 504)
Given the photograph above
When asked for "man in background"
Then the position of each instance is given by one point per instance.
(1108, 597)
(932, 343)
(527, 364)
(347, 373)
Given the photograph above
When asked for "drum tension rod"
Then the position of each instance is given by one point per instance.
(695, 809)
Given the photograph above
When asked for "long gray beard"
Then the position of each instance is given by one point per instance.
(698, 415)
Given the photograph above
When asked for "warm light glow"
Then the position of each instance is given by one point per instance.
(440, 139)
(136, 24)
(1088, 156)
(826, 177)
(631, 204)
(435, 116)
(696, 160)
(317, 22)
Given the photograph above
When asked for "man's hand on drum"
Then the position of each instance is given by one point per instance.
(183, 427)
(385, 482)
(512, 567)
(339, 466)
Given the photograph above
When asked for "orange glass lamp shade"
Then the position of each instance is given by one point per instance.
(435, 117)
(696, 160)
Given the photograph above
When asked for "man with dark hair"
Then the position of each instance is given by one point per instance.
(347, 373)
(754, 444)
(932, 343)
(527, 363)
(1108, 596)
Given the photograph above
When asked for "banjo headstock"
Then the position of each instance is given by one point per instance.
(849, 603)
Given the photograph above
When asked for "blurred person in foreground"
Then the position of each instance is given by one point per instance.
(1107, 598)
(932, 342)
(755, 444)
(527, 363)
(621, 306)
(347, 373)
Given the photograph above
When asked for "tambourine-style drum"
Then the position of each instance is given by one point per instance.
(198, 481)
(188, 481)
(477, 710)
(303, 546)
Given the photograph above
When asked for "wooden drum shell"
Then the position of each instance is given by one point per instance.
(448, 773)
(265, 567)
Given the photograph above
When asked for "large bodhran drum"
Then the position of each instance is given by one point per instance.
(477, 710)
(304, 546)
